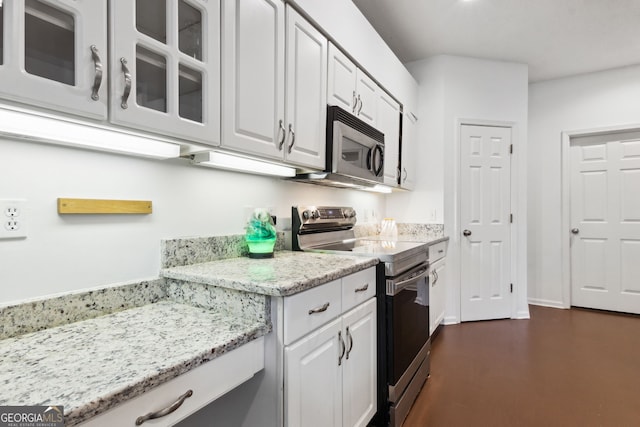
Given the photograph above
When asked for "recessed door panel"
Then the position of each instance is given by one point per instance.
(630, 198)
(594, 197)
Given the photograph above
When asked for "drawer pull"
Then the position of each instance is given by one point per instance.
(440, 251)
(362, 289)
(166, 411)
(319, 309)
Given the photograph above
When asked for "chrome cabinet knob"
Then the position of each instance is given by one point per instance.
(467, 232)
(575, 230)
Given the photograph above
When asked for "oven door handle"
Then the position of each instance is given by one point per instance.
(395, 288)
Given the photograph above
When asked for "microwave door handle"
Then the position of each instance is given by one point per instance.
(377, 166)
(397, 287)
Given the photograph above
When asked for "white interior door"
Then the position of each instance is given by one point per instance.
(485, 187)
(605, 221)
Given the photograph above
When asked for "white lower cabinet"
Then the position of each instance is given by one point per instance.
(330, 374)
(206, 382)
(437, 285)
(313, 378)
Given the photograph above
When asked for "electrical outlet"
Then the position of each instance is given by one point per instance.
(14, 220)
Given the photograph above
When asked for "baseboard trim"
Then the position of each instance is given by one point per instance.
(546, 303)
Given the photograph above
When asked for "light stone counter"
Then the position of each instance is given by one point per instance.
(93, 365)
(285, 274)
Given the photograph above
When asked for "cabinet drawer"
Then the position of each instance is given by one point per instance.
(437, 251)
(208, 382)
(311, 309)
(358, 287)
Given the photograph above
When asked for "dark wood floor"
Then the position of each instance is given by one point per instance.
(560, 368)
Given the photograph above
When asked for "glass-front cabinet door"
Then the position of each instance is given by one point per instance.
(52, 54)
(165, 67)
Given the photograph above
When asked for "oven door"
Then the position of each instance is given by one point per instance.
(407, 304)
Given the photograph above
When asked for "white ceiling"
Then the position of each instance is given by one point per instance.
(555, 38)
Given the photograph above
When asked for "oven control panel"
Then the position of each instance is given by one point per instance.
(321, 218)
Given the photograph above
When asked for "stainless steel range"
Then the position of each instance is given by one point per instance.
(403, 301)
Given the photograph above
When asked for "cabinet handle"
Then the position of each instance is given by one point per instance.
(354, 102)
(350, 342)
(319, 309)
(360, 101)
(166, 411)
(293, 138)
(405, 175)
(282, 132)
(343, 346)
(127, 84)
(362, 289)
(97, 80)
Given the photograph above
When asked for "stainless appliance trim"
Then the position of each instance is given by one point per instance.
(395, 285)
(399, 411)
(396, 390)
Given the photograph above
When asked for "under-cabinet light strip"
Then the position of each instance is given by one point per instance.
(219, 160)
(18, 124)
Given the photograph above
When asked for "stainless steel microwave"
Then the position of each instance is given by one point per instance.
(354, 148)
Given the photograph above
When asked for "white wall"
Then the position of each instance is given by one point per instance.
(582, 102)
(454, 89)
(66, 253)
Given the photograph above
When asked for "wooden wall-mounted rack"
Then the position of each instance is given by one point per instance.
(99, 206)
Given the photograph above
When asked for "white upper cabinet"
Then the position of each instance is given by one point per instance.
(264, 113)
(253, 77)
(350, 88)
(409, 149)
(306, 93)
(368, 92)
(53, 54)
(389, 124)
(165, 67)
(342, 80)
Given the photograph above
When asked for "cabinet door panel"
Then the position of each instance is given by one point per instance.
(389, 124)
(306, 105)
(47, 58)
(341, 80)
(360, 365)
(409, 149)
(171, 52)
(437, 293)
(253, 89)
(367, 90)
(313, 379)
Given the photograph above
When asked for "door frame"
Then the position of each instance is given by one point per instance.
(518, 270)
(566, 199)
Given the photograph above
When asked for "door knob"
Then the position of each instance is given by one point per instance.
(575, 230)
(467, 232)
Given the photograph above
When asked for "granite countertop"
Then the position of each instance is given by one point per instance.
(92, 365)
(285, 274)
(96, 350)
